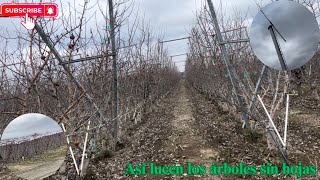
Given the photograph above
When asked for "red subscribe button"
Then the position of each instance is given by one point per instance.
(32, 9)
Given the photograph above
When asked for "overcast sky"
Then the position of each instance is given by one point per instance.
(28, 124)
(176, 17)
(298, 27)
(172, 17)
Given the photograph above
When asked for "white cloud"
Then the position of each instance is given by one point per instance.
(29, 124)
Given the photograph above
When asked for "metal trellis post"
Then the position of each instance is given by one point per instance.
(226, 60)
(114, 71)
(254, 94)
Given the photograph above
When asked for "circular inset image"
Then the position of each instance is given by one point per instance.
(295, 29)
(33, 145)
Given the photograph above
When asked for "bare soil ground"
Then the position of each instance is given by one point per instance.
(38, 167)
(186, 127)
(223, 131)
(38, 170)
(186, 140)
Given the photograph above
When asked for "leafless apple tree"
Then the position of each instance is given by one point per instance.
(207, 72)
(32, 80)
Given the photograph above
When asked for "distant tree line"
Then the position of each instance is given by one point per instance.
(12, 152)
(207, 71)
(32, 80)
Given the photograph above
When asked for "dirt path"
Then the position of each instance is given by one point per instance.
(39, 170)
(38, 167)
(190, 147)
(168, 135)
(187, 127)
